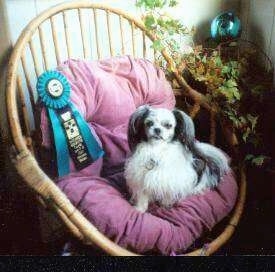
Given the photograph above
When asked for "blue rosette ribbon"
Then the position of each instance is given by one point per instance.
(71, 133)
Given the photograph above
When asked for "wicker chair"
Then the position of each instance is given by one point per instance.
(21, 98)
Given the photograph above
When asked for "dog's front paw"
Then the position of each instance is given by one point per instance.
(141, 209)
(167, 204)
(132, 201)
(142, 202)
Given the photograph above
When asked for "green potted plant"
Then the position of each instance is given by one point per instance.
(226, 79)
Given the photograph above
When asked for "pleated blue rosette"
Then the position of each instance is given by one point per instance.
(71, 133)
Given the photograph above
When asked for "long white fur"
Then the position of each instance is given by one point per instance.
(173, 176)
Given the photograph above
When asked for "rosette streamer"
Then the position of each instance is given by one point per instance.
(71, 133)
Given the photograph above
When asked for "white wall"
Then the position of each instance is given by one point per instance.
(20, 12)
(5, 48)
(259, 25)
(192, 13)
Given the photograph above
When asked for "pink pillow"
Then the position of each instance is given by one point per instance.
(107, 93)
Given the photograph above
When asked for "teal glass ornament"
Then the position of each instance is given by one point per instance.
(226, 26)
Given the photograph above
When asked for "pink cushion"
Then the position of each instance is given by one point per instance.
(107, 93)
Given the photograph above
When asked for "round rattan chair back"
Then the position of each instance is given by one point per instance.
(82, 29)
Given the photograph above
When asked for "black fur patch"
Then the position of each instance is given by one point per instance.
(184, 130)
(199, 165)
(180, 128)
(136, 129)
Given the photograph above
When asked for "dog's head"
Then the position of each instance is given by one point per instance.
(158, 124)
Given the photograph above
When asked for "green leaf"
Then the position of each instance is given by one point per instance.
(204, 60)
(161, 22)
(140, 3)
(218, 61)
(256, 160)
(249, 157)
(150, 3)
(159, 3)
(231, 83)
(242, 120)
(225, 70)
(231, 93)
(173, 3)
(157, 45)
(246, 134)
(226, 92)
(259, 160)
(253, 120)
(236, 93)
(149, 21)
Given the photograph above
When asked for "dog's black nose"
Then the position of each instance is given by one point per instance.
(157, 131)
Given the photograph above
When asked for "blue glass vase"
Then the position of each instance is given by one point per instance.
(226, 26)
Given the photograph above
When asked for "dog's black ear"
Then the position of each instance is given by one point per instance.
(184, 130)
(136, 130)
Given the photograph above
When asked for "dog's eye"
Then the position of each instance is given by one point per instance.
(167, 125)
(149, 123)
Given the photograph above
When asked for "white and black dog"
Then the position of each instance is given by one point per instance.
(168, 163)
